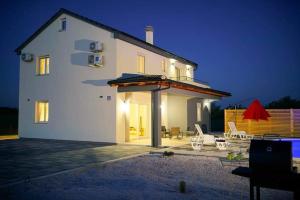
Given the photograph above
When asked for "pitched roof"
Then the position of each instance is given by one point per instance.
(140, 80)
(117, 34)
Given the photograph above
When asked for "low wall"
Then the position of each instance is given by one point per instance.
(282, 121)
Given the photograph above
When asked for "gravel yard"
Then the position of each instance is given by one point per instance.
(144, 177)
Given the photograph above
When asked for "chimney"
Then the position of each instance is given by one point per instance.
(149, 34)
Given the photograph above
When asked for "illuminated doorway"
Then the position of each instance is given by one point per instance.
(139, 127)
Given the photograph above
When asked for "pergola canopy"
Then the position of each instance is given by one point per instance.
(162, 82)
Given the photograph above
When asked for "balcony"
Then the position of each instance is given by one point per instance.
(189, 80)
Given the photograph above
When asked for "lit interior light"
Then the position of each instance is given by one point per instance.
(172, 61)
(162, 107)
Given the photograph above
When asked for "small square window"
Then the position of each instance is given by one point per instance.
(41, 111)
(63, 24)
(43, 65)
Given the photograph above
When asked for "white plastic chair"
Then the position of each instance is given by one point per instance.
(207, 139)
(234, 133)
(222, 144)
(197, 142)
(227, 135)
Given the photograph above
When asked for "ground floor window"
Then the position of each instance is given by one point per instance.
(41, 111)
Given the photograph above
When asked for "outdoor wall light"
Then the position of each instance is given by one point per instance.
(125, 106)
(206, 103)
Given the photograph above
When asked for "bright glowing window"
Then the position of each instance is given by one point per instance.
(43, 65)
(41, 111)
(189, 71)
(141, 64)
(199, 107)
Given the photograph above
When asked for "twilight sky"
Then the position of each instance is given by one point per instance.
(248, 48)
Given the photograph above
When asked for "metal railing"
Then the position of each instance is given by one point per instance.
(188, 79)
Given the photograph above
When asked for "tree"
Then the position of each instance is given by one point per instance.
(284, 103)
(217, 118)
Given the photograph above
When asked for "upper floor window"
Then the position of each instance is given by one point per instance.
(189, 71)
(43, 65)
(164, 65)
(41, 111)
(63, 24)
(141, 64)
(177, 73)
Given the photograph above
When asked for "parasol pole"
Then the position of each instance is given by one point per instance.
(239, 103)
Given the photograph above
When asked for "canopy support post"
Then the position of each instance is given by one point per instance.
(156, 118)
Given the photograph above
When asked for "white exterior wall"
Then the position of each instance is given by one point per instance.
(72, 88)
(127, 61)
(177, 111)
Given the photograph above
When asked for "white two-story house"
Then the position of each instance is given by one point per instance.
(83, 80)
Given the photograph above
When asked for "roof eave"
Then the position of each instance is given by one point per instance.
(118, 34)
(39, 30)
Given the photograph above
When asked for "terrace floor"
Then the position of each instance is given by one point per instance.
(211, 151)
(24, 159)
(145, 177)
(165, 142)
(54, 169)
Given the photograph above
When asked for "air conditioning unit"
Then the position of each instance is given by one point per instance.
(95, 60)
(96, 46)
(27, 57)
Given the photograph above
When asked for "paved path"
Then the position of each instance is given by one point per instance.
(30, 158)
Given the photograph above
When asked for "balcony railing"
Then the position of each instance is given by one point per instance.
(189, 80)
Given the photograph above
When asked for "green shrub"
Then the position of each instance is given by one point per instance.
(239, 156)
(230, 156)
